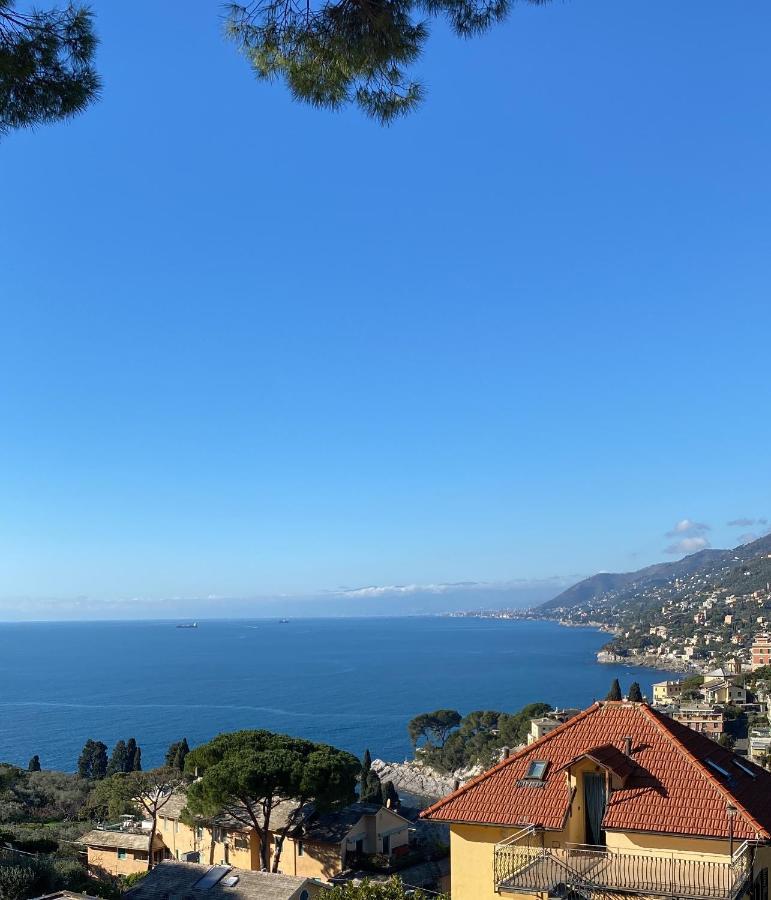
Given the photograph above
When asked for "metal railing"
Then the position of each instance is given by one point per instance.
(522, 863)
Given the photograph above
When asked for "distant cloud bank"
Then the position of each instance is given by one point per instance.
(369, 600)
(691, 537)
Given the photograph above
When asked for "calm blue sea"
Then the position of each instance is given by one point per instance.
(351, 682)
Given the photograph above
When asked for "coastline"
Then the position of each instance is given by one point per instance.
(603, 656)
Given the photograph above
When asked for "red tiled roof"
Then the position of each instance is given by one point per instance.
(671, 788)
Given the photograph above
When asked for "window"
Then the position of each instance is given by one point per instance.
(537, 769)
(199, 833)
(122, 854)
(386, 844)
(304, 895)
(300, 848)
(241, 842)
(176, 826)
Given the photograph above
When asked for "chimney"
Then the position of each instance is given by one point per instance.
(505, 752)
(628, 746)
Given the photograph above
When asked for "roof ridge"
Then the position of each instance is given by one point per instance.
(560, 729)
(663, 727)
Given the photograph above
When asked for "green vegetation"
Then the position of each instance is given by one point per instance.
(46, 64)
(39, 814)
(615, 691)
(635, 694)
(249, 773)
(126, 757)
(176, 755)
(433, 728)
(393, 889)
(34, 764)
(330, 53)
(477, 739)
(92, 762)
(37, 797)
(370, 788)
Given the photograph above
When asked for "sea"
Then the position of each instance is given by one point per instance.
(354, 683)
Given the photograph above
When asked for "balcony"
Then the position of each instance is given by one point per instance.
(523, 865)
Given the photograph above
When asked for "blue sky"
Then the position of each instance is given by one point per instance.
(249, 348)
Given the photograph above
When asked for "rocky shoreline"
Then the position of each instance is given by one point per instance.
(645, 662)
(420, 781)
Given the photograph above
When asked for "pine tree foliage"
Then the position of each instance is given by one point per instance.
(635, 693)
(331, 53)
(615, 691)
(46, 64)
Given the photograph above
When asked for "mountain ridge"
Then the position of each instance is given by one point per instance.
(621, 584)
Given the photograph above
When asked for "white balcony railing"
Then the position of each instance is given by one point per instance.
(523, 864)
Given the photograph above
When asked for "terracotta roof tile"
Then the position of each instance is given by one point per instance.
(673, 783)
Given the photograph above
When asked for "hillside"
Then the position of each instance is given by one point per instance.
(718, 564)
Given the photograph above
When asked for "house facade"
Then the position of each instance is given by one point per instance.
(120, 852)
(325, 845)
(619, 801)
(320, 847)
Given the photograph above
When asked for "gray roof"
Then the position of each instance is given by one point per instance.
(333, 827)
(173, 807)
(123, 840)
(172, 880)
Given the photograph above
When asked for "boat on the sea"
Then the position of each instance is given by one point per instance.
(283, 621)
(190, 625)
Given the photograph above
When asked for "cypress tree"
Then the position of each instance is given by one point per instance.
(615, 691)
(98, 760)
(635, 694)
(34, 764)
(118, 759)
(390, 796)
(133, 756)
(179, 758)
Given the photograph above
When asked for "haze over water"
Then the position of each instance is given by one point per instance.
(352, 682)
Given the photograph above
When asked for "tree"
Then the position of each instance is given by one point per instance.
(151, 791)
(247, 774)
(34, 764)
(390, 796)
(118, 759)
(110, 799)
(434, 727)
(615, 691)
(635, 694)
(175, 755)
(371, 789)
(329, 53)
(393, 889)
(133, 756)
(46, 65)
(336, 52)
(92, 762)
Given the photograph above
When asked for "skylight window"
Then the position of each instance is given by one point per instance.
(744, 768)
(713, 765)
(537, 769)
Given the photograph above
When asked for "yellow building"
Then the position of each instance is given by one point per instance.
(619, 801)
(118, 852)
(223, 841)
(666, 691)
(325, 845)
(320, 847)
